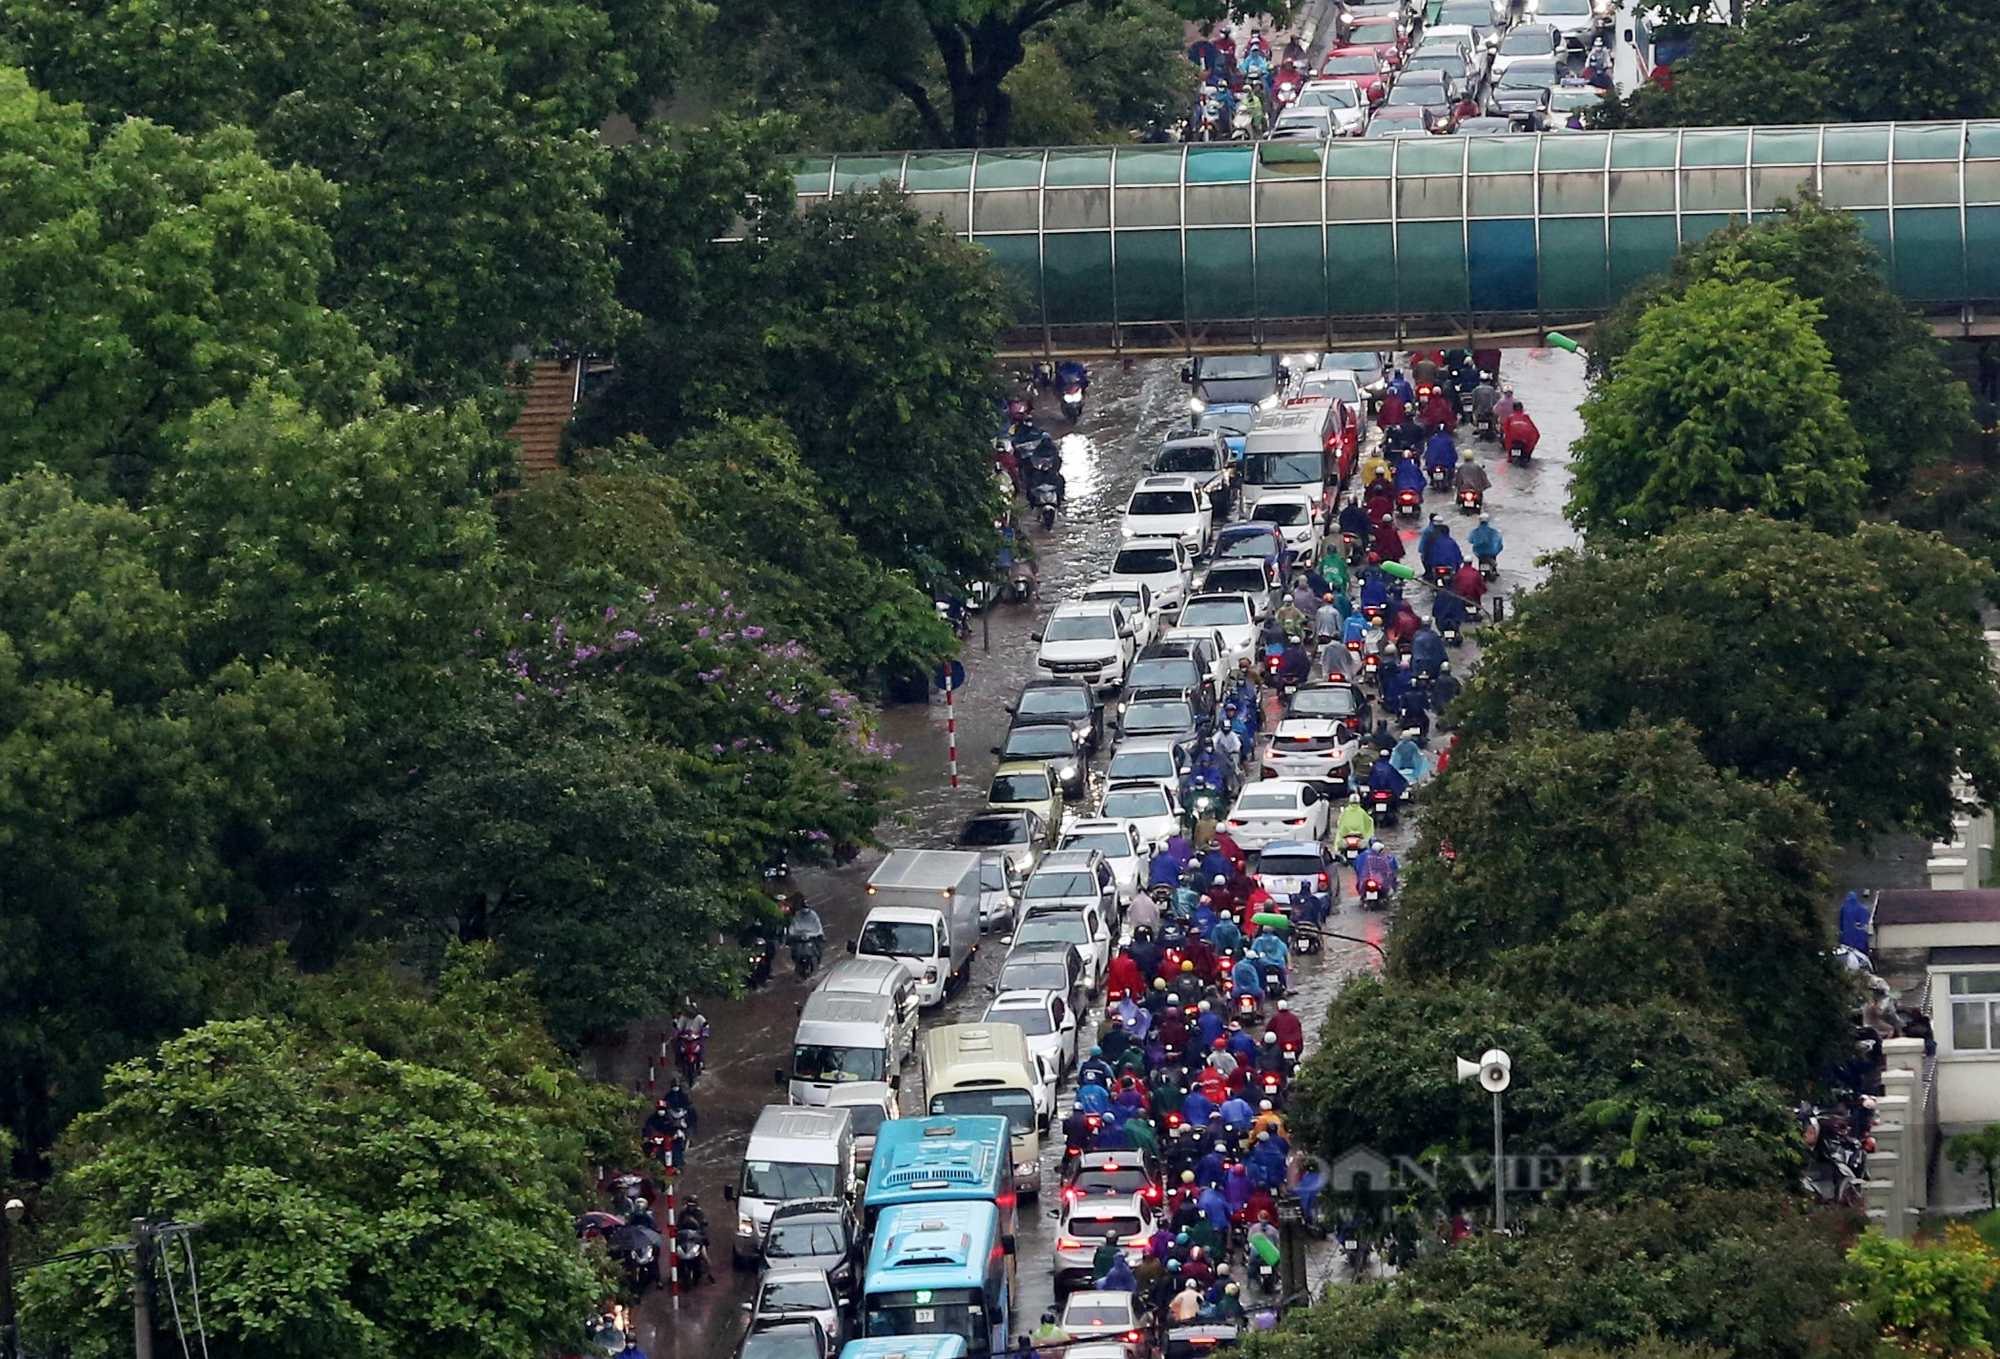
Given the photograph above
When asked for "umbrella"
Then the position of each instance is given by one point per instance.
(633, 1241)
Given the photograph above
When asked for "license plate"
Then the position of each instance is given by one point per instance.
(926, 1315)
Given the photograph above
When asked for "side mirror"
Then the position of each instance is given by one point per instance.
(994, 749)
(1007, 939)
(896, 1082)
(851, 948)
(748, 1309)
(729, 1192)
(778, 1076)
(1034, 636)
(1187, 372)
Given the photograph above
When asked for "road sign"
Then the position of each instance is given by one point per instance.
(950, 675)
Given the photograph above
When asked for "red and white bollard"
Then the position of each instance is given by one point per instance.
(950, 725)
(672, 1256)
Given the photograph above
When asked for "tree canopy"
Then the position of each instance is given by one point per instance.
(1726, 399)
(1906, 407)
(1854, 666)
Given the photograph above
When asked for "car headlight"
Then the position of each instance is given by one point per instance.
(1066, 773)
(745, 1227)
(1197, 405)
(1268, 403)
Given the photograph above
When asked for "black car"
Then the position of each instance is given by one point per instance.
(1200, 650)
(1061, 702)
(817, 1234)
(1169, 677)
(1056, 747)
(1220, 378)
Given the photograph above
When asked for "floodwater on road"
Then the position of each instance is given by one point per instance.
(1131, 408)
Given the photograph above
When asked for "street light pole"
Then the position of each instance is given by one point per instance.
(142, 1289)
(15, 1210)
(1499, 1170)
(1495, 1072)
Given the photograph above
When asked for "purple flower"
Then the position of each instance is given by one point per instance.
(610, 612)
(754, 634)
(701, 632)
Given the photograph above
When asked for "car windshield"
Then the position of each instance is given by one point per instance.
(1135, 803)
(1532, 73)
(785, 1181)
(1255, 545)
(1139, 764)
(1283, 469)
(1267, 802)
(798, 1240)
(1161, 502)
(1064, 929)
(1339, 97)
(1247, 580)
(1216, 613)
(821, 1062)
(1449, 61)
(1414, 92)
(795, 1295)
(1038, 741)
(1568, 9)
(1047, 883)
(995, 830)
(1333, 702)
(1144, 561)
(1016, 1106)
(1054, 703)
(1355, 63)
(1284, 512)
(866, 1119)
(1186, 458)
(1562, 101)
(1020, 788)
(1168, 673)
(1033, 1019)
(1033, 975)
(1528, 40)
(1340, 385)
(1087, 1226)
(992, 875)
(1158, 715)
(1097, 1311)
(1118, 1181)
(1236, 367)
(1477, 15)
(1087, 627)
(1111, 844)
(1288, 866)
(1229, 422)
(785, 1342)
(898, 939)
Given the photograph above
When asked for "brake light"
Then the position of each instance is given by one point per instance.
(1322, 877)
(1295, 821)
(1372, 885)
(1068, 1243)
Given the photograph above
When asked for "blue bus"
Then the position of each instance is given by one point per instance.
(944, 1159)
(939, 1269)
(906, 1347)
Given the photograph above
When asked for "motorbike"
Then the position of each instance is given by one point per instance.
(1485, 428)
(1021, 585)
(1274, 981)
(1351, 847)
(954, 615)
(1206, 804)
(1072, 402)
(1450, 633)
(757, 955)
(1042, 496)
(1382, 805)
(806, 955)
(1240, 125)
(1210, 127)
(1372, 895)
(1264, 1273)
(1439, 474)
(1371, 667)
(1471, 501)
(1408, 503)
(1350, 547)
(1517, 451)
(688, 1053)
(1248, 1008)
(1441, 577)
(1489, 567)
(691, 1253)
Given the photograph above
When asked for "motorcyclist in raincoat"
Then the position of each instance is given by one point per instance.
(1440, 450)
(1354, 820)
(1485, 539)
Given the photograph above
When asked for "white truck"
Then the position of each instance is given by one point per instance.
(923, 911)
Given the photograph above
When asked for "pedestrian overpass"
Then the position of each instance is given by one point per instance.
(1172, 249)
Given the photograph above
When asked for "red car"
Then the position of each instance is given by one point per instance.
(1362, 66)
(1380, 34)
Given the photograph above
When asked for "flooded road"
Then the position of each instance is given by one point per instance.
(1130, 409)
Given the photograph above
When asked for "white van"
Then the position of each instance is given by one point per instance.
(794, 1153)
(1290, 449)
(879, 977)
(987, 1069)
(843, 1037)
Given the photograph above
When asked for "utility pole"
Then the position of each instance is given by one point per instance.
(143, 1240)
(14, 1212)
(1499, 1170)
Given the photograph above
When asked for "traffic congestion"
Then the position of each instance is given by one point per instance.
(1185, 716)
(1394, 69)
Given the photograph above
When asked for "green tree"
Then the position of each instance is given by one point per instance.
(1726, 399)
(462, 136)
(866, 328)
(1932, 1298)
(1854, 665)
(145, 274)
(1905, 406)
(1582, 858)
(1831, 61)
(350, 1203)
(1984, 1147)
(1127, 64)
(1722, 1272)
(121, 775)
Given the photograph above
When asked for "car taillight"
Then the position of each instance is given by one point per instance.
(1295, 821)
(1322, 877)
(1068, 1243)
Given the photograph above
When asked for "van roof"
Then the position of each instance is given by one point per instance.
(935, 870)
(804, 1122)
(847, 1007)
(953, 1046)
(869, 976)
(1289, 419)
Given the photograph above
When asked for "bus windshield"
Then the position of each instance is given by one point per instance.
(930, 1311)
(1016, 1106)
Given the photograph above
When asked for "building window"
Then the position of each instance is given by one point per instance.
(1975, 1012)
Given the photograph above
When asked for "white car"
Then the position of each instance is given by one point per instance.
(1087, 931)
(1285, 864)
(1317, 738)
(1295, 514)
(1313, 121)
(1157, 760)
(1578, 21)
(1088, 640)
(1094, 1317)
(1525, 40)
(1084, 1225)
(1172, 506)
(1163, 565)
(1045, 1019)
(999, 893)
(1124, 849)
(1230, 616)
(1344, 98)
(1277, 809)
(1154, 808)
(1137, 597)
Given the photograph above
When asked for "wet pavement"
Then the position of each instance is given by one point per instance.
(1130, 409)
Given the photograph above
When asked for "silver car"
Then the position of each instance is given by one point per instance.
(789, 1295)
